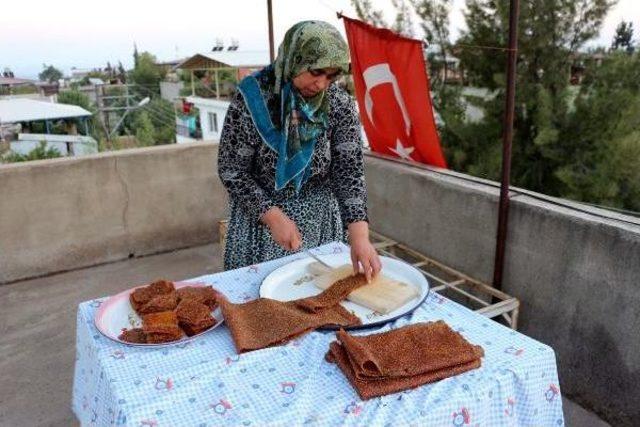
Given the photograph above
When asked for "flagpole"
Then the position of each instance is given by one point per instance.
(270, 16)
(507, 138)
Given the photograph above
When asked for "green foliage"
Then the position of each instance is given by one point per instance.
(550, 34)
(18, 90)
(163, 120)
(623, 38)
(144, 129)
(146, 73)
(366, 12)
(38, 153)
(75, 97)
(581, 142)
(602, 136)
(50, 74)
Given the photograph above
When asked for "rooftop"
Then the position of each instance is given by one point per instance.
(574, 268)
(237, 58)
(26, 110)
(13, 81)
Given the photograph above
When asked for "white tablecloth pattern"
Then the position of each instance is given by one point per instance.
(205, 383)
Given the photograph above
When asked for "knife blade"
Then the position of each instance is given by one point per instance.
(317, 258)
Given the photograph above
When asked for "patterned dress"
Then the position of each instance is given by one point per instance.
(333, 196)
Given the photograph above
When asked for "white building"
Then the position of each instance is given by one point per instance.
(211, 117)
(19, 115)
(210, 93)
(67, 145)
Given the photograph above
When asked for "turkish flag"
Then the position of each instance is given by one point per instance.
(392, 89)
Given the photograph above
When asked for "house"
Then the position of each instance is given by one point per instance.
(214, 76)
(25, 123)
(12, 85)
(206, 122)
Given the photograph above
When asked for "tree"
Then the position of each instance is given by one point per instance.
(146, 73)
(550, 34)
(163, 119)
(623, 38)
(144, 129)
(366, 12)
(602, 149)
(50, 74)
(75, 97)
(135, 55)
(121, 73)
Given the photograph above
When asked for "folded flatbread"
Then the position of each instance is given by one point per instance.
(403, 358)
(266, 322)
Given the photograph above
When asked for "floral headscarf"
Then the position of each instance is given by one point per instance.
(306, 46)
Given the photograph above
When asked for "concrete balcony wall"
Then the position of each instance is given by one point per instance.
(63, 214)
(577, 274)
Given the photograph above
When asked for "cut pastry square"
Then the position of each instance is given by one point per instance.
(141, 298)
(202, 294)
(194, 317)
(161, 327)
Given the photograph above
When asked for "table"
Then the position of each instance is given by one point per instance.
(204, 382)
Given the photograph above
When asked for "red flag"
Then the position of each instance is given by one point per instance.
(392, 88)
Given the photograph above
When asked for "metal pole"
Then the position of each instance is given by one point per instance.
(507, 137)
(215, 74)
(271, 49)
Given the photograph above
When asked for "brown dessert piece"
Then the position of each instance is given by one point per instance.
(403, 358)
(139, 297)
(136, 336)
(194, 317)
(202, 294)
(161, 327)
(265, 322)
(164, 302)
(333, 295)
(160, 287)
(158, 296)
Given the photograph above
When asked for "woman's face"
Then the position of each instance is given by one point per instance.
(310, 83)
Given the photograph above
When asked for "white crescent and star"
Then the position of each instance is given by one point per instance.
(402, 151)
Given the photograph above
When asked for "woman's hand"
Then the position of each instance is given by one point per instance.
(283, 230)
(363, 255)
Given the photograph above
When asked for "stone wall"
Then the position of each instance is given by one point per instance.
(576, 270)
(64, 214)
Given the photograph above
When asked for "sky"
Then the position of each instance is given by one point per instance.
(87, 33)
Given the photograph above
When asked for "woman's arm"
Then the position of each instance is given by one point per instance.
(235, 161)
(347, 180)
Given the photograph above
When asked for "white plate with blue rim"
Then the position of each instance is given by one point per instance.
(295, 280)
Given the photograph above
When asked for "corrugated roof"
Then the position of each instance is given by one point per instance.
(15, 81)
(233, 58)
(24, 110)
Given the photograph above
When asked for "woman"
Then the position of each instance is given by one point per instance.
(291, 156)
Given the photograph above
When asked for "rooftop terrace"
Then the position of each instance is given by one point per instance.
(76, 229)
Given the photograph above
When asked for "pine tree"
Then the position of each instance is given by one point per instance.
(603, 136)
(550, 34)
(135, 55)
(623, 38)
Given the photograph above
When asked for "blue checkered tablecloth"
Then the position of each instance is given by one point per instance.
(204, 382)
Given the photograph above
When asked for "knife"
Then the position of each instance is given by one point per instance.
(317, 258)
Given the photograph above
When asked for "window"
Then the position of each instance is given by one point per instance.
(213, 122)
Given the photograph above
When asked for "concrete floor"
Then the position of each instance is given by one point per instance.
(37, 329)
(37, 333)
